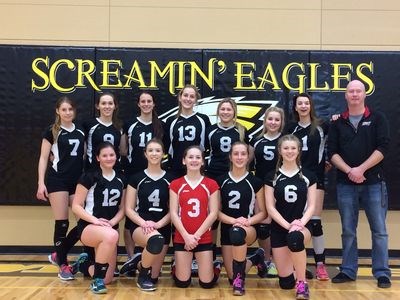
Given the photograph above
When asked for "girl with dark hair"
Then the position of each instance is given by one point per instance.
(64, 141)
(312, 133)
(99, 204)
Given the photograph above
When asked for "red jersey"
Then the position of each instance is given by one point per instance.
(193, 205)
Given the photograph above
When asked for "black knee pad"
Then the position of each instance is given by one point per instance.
(182, 284)
(263, 231)
(237, 235)
(295, 241)
(287, 283)
(315, 227)
(207, 285)
(155, 244)
(60, 229)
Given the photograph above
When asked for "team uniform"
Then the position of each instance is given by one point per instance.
(104, 196)
(67, 163)
(219, 141)
(238, 199)
(290, 194)
(182, 132)
(313, 149)
(193, 209)
(138, 133)
(152, 199)
(96, 133)
(265, 155)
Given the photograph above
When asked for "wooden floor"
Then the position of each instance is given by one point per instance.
(32, 277)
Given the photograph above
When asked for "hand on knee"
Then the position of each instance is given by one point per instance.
(237, 235)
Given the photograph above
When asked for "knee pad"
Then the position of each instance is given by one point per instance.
(207, 285)
(237, 235)
(287, 283)
(315, 227)
(263, 231)
(155, 244)
(295, 241)
(60, 229)
(182, 284)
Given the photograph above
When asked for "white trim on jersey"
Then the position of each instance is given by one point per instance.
(152, 177)
(253, 199)
(171, 137)
(90, 143)
(56, 154)
(89, 202)
(321, 145)
(195, 184)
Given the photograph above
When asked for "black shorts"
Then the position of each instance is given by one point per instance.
(60, 184)
(164, 231)
(279, 235)
(321, 183)
(199, 248)
(82, 225)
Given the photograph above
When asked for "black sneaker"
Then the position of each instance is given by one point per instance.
(131, 264)
(384, 282)
(341, 278)
(309, 274)
(257, 257)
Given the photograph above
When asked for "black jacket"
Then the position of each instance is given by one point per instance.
(355, 145)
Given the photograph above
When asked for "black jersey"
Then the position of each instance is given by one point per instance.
(138, 134)
(291, 192)
(104, 195)
(238, 197)
(152, 195)
(182, 132)
(67, 152)
(265, 155)
(219, 142)
(97, 132)
(313, 146)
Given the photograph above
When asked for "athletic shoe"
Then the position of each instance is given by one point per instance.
(258, 257)
(262, 269)
(145, 284)
(65, 273)
(238, 286)
(384, 282)
(302, 291)
(195, 268)
(321, 273)
(341, 278)
(272, 272)
(309, 274)
(97, 286)
(131, 263)
(53, 258)
(217, 267)
(116, 271)
(80, 260)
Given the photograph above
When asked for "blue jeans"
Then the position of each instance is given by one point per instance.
(374, 201)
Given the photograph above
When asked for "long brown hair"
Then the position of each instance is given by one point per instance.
(56, 126)
(314, 120)
(239, 126)
(155, 122)
(115, 120)
(230, 153)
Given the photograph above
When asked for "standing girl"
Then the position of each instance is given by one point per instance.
(135, 136)
(265, 153)
(105, 128)
(290, 194)
(312, 133)
(186, 129)
(147, 206)
(65, 142)
(99, 205)
(193, 208)
(240, 191)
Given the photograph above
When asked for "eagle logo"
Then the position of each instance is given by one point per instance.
(250, 112)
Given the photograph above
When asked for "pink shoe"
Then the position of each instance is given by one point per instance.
(322, 273)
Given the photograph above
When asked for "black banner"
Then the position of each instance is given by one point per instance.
(33, 78)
